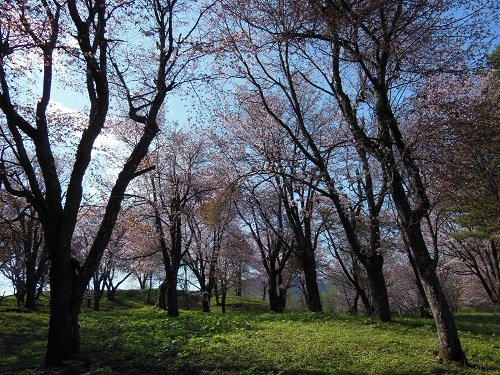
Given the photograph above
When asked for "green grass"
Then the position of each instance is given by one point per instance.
(129, 338)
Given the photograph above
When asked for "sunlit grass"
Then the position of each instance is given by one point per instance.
(127, 339)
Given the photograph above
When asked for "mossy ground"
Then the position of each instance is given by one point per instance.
(129, 338)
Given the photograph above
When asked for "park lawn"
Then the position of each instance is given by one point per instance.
(125, 338)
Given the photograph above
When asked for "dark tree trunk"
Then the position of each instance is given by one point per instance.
(282, 299)
(142, 279)
(64, 334)
(172, 303)
(20, 295)
(366, 301)
(205, 300)
(223, 300)
(97, 300)
(150, 289)
(31, 286)
(161, 302)
(274, 300)
(111, 294)
(217, 295)
(313, 298)
(423, 303)
(353, 310)
(425, 309)
(378, 290)
(98, 293)
(239, 285)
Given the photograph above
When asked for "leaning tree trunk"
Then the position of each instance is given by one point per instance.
(423, 303)
(449, 343)
(404, 191)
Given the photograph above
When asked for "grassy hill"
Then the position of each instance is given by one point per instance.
(127, 337)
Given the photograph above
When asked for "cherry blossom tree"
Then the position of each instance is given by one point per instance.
(386, 46)
(453, 128)
(281, 83)
(23, 258)
(95, 38)
(171, 192)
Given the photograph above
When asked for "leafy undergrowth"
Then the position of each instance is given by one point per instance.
(127, 339)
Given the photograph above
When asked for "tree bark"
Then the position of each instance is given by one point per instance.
(380, 309)
(311, 281)
(274, 298)
(161, 302)
(63, 335)
(172, 303)
(449, 343)
(205, 300)
(31, 284)
(223, 301)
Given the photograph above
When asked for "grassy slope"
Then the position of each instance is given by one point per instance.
(127, 338)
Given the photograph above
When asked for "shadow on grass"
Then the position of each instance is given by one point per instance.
(479, 323)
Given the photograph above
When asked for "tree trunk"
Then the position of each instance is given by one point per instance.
(378, 290)
(97, 299)
(366, 301)
(274, 300)
(353, 310)
(423, 303)
(162, 295)
(282, 299)
(449, 343)
(20, 295)
(150, 289)
(172, 304)
(309, 267)
(239, 284)
(223, 300)
(64, 334)
(205, 300)
(142, 279)
(30, 300)
(217, 295)
(98, 292)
